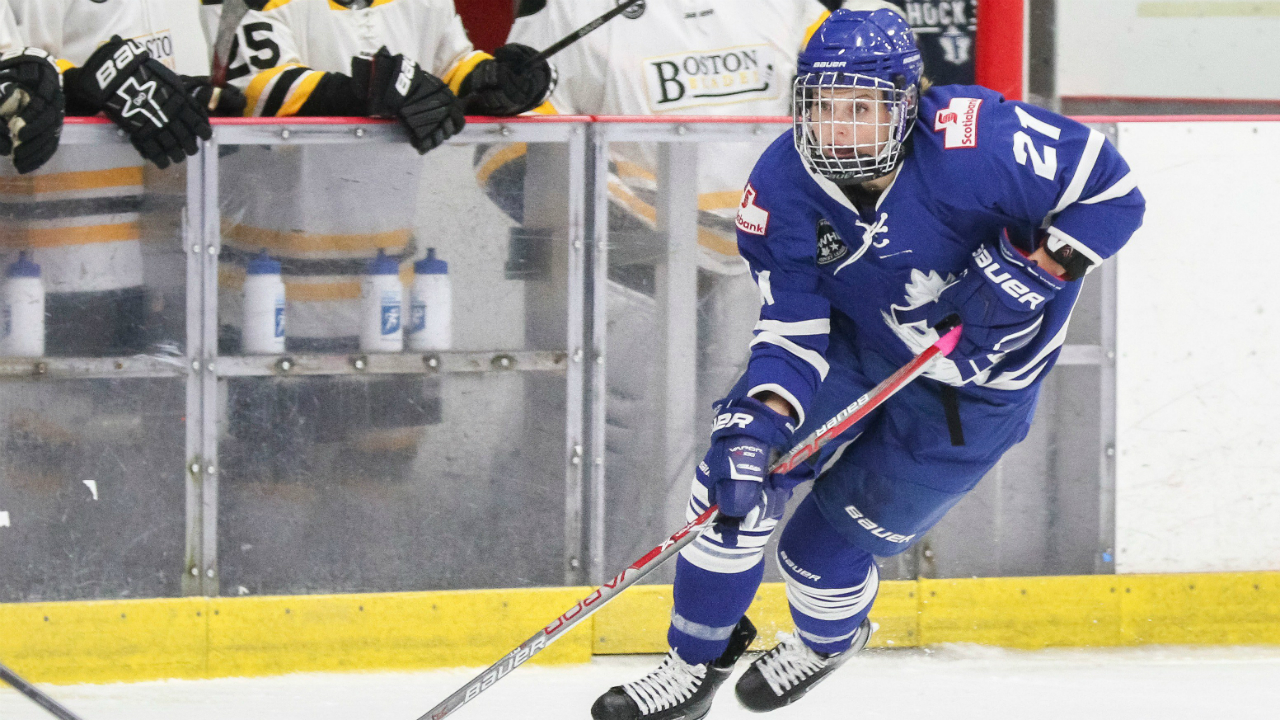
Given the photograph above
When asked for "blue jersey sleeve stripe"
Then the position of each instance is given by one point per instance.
(812, 357)
(1014, 337)
(1123, 186)
(783, 393)
(796, 307)
(1083, 249)
(772, 364)
(818, 326)
(1002, 383)
(1010, 380)
(766, 287)
(1088, 159)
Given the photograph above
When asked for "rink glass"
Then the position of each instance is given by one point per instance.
(555, 440)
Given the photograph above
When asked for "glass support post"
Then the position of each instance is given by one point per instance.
(677, 291)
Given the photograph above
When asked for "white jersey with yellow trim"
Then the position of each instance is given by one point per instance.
(318, 36)
(79, 214)
(325, 210)
(678, 57)
(77, 27)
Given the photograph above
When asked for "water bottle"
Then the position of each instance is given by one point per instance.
(263, 329)
(381, 298)
(22, 304)
(431, 320)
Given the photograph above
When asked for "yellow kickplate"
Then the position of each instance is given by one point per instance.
(1202, 609)
(400, 631)
(133, 640)
(111, 641)
(1021, 612)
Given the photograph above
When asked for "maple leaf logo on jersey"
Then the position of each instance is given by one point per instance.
(910, 321)
(141, 98)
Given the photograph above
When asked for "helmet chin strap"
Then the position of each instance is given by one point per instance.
(851, 183)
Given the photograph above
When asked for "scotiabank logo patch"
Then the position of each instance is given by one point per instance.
(751, 217)
(960, 121)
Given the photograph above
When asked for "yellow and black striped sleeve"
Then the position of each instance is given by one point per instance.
(297, 90)
(266, 63)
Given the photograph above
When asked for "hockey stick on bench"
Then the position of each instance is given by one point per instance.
(843, 420)
(581, 32)
(36, 695)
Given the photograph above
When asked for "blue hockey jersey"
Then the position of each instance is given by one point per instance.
(977, 165)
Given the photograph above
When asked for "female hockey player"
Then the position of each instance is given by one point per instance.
(864, 229)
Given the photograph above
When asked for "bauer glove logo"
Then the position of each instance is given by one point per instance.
(125, 55)
(408, 70)
(728, 419)
(1005, 281)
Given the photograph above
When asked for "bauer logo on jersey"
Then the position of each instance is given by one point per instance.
(751, 217)
(960, 121)
(716, 77)
(831, 246)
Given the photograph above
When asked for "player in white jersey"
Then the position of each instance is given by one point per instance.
(706, 57)
(96, 221)
(326, 211)
(79, 213)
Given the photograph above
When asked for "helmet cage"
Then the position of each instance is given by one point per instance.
(849, 135)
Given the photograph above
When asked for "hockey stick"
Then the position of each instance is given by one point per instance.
(34, 693)
(843, 420)
(233, 11)
(580, 33)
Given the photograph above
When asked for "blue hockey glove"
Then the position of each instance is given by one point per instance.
(1000, 299)
(745, 438)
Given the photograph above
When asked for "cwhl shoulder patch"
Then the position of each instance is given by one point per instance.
(960, 121)
(831, 246)
(751, 217)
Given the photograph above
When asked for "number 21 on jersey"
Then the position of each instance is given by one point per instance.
(1024, 147)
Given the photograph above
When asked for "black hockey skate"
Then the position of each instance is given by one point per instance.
(676, 690)
(784, 674)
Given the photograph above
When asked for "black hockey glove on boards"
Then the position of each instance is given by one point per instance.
(32, 107)
(219, 101)
(504, 86)
(393, 86)
(145, 98)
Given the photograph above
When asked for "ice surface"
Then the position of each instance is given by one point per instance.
(957, 682)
